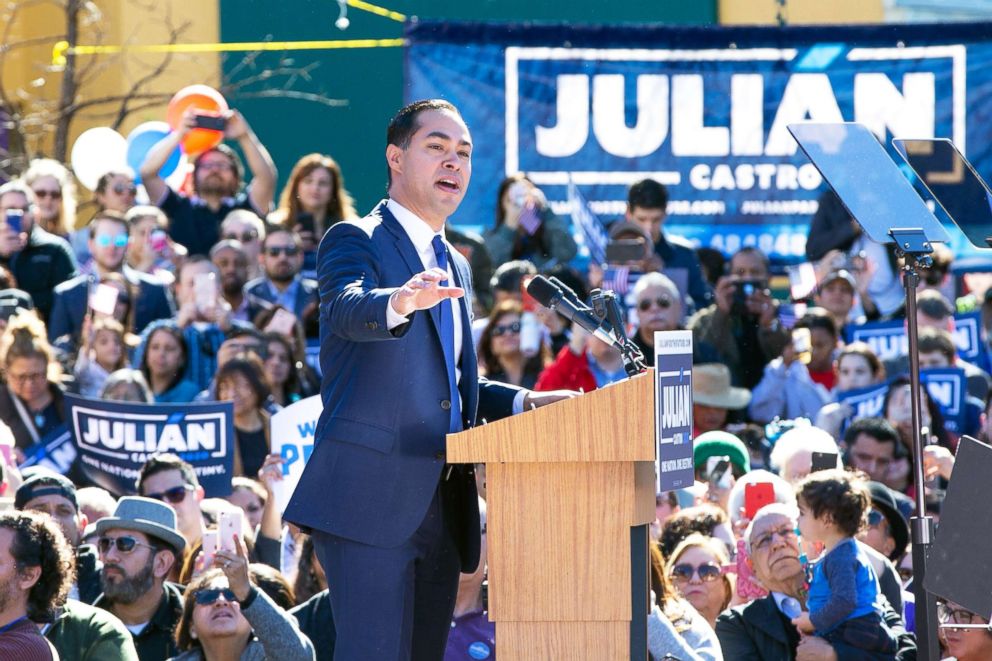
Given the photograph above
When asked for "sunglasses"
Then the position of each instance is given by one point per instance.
(54, 194)
(244, 237)
(121, 189)
(208, 596)
(118, 240)
(124, 544)
(707, 573)
(875, 517)
(662, 303)
(289, 251)
(174, 496)
(506, 328)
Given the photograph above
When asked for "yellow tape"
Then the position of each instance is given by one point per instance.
(379, 11)
(62, 48)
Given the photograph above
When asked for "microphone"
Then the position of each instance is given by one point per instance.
(552, 296)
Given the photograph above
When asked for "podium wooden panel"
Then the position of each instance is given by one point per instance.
(565, 484)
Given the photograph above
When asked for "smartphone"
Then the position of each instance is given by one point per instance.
(210, 547)
(623, 251)
(229, 525)
(282, 322)
(209, 121)
(756, 496)
(802, 344)
(15, 220)
(718, 471)
(103, 300)
(306, 222)
(823, 461)
(205, 291)
(159, 241)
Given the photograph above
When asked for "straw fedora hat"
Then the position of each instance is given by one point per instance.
(711, 387)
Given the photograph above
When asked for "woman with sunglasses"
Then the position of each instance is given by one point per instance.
(697, 571)
(52, 185)
(674, 627)
(225, 616)
(500, 356)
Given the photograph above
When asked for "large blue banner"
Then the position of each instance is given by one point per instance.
(703, 110)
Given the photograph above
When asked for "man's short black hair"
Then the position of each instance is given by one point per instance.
(879, 429)
(510, 274)
(647, 194)
(404, 123)
(166, 462)
(816, 319)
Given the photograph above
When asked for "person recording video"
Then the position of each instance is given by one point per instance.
(742, 326)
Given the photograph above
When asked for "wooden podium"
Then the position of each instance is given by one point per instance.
(570, 490)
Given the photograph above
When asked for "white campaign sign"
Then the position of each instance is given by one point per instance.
(292, 431)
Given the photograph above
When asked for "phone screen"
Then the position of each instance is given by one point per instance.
(205, 290)
(756, 496)
(229, 525)
(823, 461)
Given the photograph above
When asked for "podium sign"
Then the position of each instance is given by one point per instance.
(673, 409)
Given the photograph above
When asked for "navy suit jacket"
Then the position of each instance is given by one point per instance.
(259, 290)
(71, 301)
(379, 446)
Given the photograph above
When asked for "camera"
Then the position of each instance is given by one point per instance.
(744, 289)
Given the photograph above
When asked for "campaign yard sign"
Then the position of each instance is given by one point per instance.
(673, 409)
(888, 339)
(292, 432)
(114, 439)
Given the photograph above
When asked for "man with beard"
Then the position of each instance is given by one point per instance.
(217, 176)
(282, 259)
(139, 545)
(55, 496)
(108, 246)
(35, 573)
(232, 263)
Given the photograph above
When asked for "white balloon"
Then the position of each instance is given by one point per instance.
(178, 176)
(96, 152)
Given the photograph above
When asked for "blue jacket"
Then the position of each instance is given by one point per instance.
(259, 290)
(71, 301)
(379, 446)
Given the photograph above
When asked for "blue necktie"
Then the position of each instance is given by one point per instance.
(448, 339)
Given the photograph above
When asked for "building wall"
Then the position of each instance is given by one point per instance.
(800, 12)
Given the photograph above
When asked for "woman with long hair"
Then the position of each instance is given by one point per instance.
(696, 568)
(500, 356)
(674, 626)
(314, 199)
(53, 186)
(242, 381)
(310, 577)
(289, 377)
(526, 228)
(164, 363)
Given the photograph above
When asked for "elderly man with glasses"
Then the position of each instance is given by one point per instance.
(762, 630)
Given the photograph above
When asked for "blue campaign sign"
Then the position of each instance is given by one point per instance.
(865, 402)
(55, 451)
(948, 388)
(702, 110)
(888, 339)
(673, 409)
(114, 439)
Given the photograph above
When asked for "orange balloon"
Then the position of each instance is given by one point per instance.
(203, 99)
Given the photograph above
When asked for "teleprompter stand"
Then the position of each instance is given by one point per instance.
(888, 209)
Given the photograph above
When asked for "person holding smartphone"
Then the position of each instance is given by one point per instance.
(526, 228)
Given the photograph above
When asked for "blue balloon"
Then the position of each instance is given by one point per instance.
(141, 140)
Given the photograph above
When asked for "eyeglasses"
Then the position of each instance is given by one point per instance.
(289, 251)
(54, 194)
(662, 303)
(124, 544)
(766, 539)
(104, 240)
(244, 237)
(121, 189)
(707, 573)
(32, 377)
(506, 328)
(946, 614)
(174, 496)
(208, 596)
(875, 517)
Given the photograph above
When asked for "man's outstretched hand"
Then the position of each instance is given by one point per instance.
(423, 291)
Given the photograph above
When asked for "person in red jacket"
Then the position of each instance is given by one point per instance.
(585, 364)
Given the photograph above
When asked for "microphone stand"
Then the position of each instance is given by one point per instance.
(913, 246)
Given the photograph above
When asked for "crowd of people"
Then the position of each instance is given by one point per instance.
(207, 293)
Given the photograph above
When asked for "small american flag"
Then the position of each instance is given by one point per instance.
(530, 219)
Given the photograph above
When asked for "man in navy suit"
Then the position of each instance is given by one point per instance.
(393, 523)
(150, 298)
